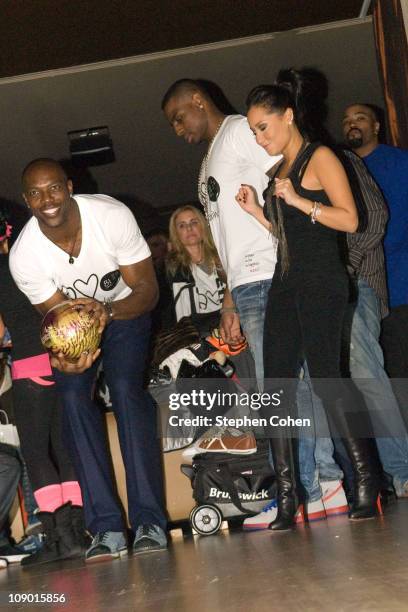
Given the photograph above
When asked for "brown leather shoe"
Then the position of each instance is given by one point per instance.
(231, 441)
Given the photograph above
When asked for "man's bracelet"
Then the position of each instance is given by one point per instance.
(228, 309)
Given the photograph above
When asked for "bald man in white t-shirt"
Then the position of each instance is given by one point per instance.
(89, 249)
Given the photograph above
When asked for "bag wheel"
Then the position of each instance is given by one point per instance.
(206, 520)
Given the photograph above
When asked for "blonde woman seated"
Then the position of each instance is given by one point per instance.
(194, 270)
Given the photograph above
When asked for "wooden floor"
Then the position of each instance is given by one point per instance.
(333, 565)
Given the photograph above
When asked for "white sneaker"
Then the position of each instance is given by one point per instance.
(401, 487)
(315, 511)
(263, 519)
(334, 498)
(3, 563)
(266, 516)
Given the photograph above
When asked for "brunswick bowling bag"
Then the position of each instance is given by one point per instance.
(227, 486)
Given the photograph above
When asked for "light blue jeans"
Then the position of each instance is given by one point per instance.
(250, 301)
(367, 371)
(315, 449)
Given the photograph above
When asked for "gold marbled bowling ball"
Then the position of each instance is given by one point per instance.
(69, 329)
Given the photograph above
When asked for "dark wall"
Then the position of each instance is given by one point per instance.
(40, 35)
(36, 112)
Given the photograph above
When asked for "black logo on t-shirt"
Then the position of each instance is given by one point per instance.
(110, 280)
(87, 288)
(213, 189)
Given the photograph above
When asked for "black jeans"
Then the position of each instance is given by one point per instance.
(38, 416)
(304, 321)
(10, 470)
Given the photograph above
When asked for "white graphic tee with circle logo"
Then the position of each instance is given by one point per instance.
(246, 248)
(110, 238)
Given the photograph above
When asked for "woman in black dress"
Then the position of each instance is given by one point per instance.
(307, 203)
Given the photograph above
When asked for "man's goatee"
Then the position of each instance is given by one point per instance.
(355, 143)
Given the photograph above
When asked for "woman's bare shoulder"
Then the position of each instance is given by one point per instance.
(323, 153)
(325, 158)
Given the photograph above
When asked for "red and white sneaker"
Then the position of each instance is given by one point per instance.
(314, 511)
(334, 498)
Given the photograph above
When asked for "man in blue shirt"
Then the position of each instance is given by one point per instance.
(389, 167)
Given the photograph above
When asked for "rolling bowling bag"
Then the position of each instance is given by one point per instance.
(228, 486)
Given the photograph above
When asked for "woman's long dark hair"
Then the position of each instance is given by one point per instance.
(305, 91)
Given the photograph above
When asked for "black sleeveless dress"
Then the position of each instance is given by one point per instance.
(306, 303)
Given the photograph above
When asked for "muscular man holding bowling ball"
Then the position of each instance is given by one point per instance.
(89, 249)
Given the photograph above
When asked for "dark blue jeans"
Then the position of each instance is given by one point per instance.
(124, 347)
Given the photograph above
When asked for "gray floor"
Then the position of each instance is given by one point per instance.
(333, 565)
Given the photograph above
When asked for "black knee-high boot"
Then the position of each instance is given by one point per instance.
(61, 538)
(78, 526)
(363, 456)
(283, 454)
(70, 545)
(50, 550)
(367, 478)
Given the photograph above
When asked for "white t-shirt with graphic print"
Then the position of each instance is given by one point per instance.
(208, 293)
(246, 248)
(110, 238)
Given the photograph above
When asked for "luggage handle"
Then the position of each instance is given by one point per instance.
(229, 485)
(5, 416)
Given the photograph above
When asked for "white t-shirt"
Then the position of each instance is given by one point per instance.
(246, 248)
(110, 238)
(208, 293)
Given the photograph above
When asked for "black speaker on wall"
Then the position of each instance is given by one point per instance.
(91, 146)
